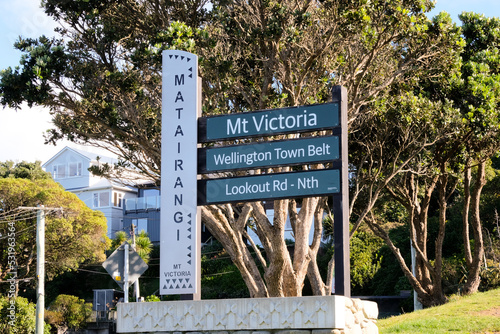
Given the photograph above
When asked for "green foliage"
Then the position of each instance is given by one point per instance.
(143, 245)
(152, 298)
(69, 312)
(454, 273)
(365, 260)
(72, 237)
(18, 317)
(390, 280)
(490, 276)
(220, 278)
(120, 237)
(23, 170)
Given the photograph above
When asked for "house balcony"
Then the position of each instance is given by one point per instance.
(149, 203)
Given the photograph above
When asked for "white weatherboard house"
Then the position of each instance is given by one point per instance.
(69, 167)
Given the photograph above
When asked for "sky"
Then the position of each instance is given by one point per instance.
(21, 131)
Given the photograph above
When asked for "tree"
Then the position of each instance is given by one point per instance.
(478, 96)
(143, 246)
(69, 312)
(103, 87)
(414, 134)
(73, 237)
(23, 170)
(22, 320)
(464, 135)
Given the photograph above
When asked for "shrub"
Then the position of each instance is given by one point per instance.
(69, 312)
(152, 298)
(18, 317)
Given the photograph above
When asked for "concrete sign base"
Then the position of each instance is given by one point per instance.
(233, 314)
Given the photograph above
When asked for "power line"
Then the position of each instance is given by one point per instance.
(19, 232)
(18, 217)
(8, 213)
(27, 213)
(92, 271)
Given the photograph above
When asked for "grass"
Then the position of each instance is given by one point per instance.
(479, 313)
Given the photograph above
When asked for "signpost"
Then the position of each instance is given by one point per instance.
(182, 160)
(125, 266)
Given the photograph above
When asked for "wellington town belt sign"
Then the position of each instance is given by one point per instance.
(269, 154)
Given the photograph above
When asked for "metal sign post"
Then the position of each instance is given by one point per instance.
(125, 266)
(341, 205)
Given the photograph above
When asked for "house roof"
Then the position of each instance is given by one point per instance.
(105, 184)
(87, 155)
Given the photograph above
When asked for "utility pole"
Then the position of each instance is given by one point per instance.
(40, 270)
(40, 264)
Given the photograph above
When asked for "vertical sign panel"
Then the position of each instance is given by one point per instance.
(179, 214)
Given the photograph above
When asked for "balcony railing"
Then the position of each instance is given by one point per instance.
(143, 203)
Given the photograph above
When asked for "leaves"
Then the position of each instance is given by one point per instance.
(77, 236)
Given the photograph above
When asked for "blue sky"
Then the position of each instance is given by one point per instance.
(21, 132)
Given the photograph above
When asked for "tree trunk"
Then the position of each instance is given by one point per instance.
(473, 278)
(231, 237)
(319, 287)
(465, 217)
(443, 197)
(427, 295)
(426, 281)
(279, 257)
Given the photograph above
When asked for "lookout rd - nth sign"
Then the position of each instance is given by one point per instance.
(324, 143)
(270, 186)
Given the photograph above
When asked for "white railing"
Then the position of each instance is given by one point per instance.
(143, 203)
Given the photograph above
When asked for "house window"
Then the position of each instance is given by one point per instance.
(140, 225)
(117, 199)
(59, 171)
(75, 169)
(101, 199)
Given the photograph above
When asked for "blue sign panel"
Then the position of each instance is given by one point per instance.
(269, 122)
(269, 186)
(269, 154)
